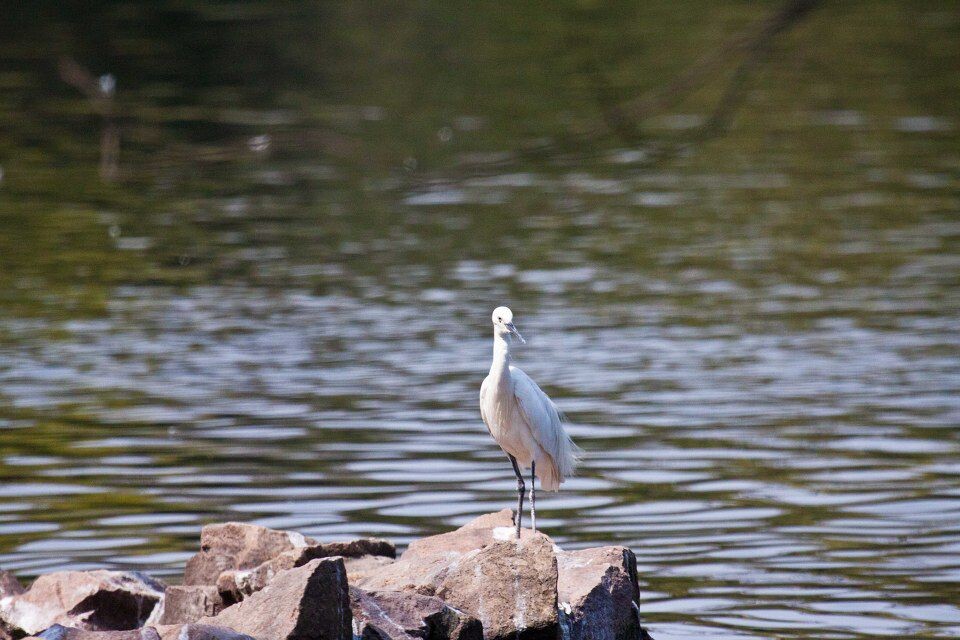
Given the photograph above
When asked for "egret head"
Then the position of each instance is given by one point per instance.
(503, 324)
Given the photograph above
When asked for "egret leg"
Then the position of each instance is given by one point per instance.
(520, 490)
(533, 495)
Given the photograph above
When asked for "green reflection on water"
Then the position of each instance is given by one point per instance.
(303, 148)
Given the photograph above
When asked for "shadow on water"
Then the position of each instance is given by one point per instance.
(270, 303)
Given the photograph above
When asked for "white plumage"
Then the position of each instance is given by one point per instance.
(522, 419)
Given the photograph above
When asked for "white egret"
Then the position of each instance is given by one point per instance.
(523, 420)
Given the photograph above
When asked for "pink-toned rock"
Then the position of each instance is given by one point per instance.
(235, 585)
(425, 563)
(235, 545)
(502, 518)
(510, 586)
(404, 575)
(9, 585)
(242, 558)
(183, 604)
(397, 615)
(358, 568)
(92, 600)
(598, 594)
(476, 534)
(306, 603)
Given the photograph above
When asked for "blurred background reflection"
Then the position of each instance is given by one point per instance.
(248, 252)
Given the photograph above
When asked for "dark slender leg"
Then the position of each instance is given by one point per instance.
(520, 490)
(533, 495)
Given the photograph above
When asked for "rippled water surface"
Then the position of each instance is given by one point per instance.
(273, 305)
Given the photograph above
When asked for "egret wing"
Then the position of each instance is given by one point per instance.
(538, 411)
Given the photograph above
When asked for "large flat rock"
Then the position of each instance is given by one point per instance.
(426, 562)
(510, 586)
(476, 534)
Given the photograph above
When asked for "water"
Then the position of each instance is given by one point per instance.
(275, 306)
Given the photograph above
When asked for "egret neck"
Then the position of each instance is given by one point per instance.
(501, 355)
(500, 375)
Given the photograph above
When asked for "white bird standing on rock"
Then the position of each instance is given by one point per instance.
(523, 420)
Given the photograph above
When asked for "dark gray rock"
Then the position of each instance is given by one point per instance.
(399, 615)
(599, 596)
(359, 548)
(59, 632)
(198, 632)
(210, 632)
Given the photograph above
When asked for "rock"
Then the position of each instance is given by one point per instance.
(404, 575)
(234, 586)
(502, 518)
(9, 585)
(188, 603)
(199, 632)
(235, 545)
(241, 547)
(425, 563)
(91, 600)
(598, 593)
(308, 602)
(210, 632)
(510, 586)
(59, 632)
(358, 568)
(396, 615)
(476, 534)
(359, 548)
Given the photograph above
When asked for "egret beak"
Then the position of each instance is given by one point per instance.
(513, 329)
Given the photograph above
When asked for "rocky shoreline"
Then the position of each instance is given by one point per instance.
(478, 582)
